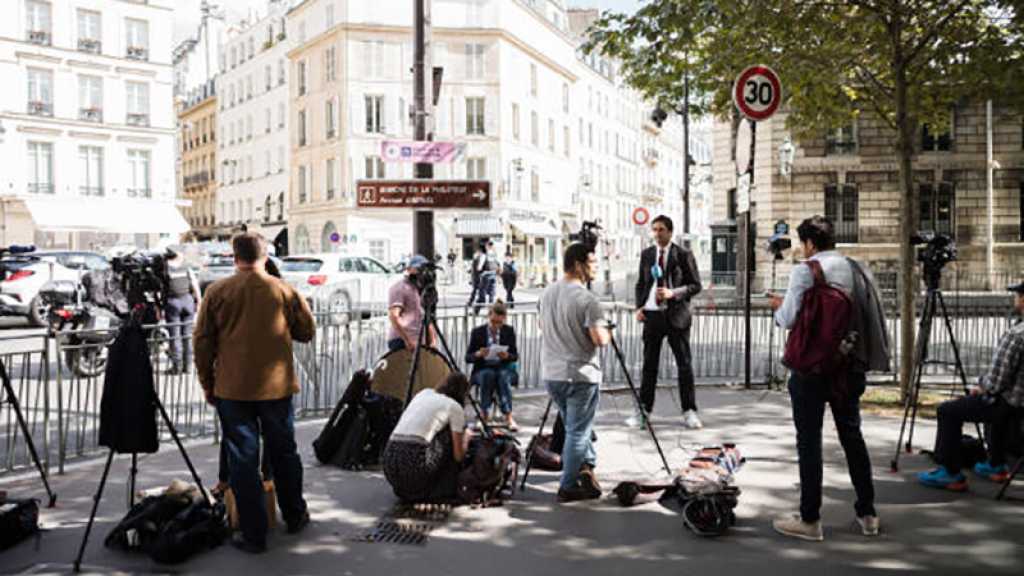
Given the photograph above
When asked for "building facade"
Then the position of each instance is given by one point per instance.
(851, 175)
(558, 136)
(254, 127)
(88, 124)
(198, 151)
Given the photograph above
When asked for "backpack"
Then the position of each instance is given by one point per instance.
(815, 342)
(198, 527)
(19, 519)
(141, 526)
(492, 465)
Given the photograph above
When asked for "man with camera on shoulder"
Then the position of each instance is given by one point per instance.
(998, 401)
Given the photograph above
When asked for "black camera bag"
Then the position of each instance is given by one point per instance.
(19, 519)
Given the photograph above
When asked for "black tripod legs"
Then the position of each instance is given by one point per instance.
(640, 404)
(12, 399)
(92, 515)
(529, 448)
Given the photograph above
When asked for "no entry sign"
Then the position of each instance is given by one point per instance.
(757, 92)
(641, 216)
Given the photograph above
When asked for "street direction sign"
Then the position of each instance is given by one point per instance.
(421, 152)
(424, 194)
(757, 92)
(641, 216)
(743, 193)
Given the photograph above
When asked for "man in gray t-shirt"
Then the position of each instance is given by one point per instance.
(573, 328)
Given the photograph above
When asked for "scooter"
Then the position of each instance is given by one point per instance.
(86, 330)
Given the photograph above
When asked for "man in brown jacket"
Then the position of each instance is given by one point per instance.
(243, 353)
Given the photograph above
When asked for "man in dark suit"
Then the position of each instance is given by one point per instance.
(495, 371)
(667, 281)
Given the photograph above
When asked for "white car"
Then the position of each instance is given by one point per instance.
(26, 274)
(342, 284)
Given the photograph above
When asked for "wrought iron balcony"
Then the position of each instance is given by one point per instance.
(138, 119)
(39, 188)
(137, 53)
(41, 37)
(90, 190)
(90, 114)
(40, 108)
(140, 192)
(90, 45)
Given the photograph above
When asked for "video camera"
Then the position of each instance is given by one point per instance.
(143, 277)
(588, 235)
(937, 251)
(426, 282)
(779, 243)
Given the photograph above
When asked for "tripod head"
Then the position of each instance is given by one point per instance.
(937, 251)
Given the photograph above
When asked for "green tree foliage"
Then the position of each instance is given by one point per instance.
(907, 62)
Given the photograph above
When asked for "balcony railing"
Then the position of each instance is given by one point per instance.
(40, 108)
(90, 190)
(90, 45)
(40, 188)
(41, 37)
(90, 114)
(140, 192)
(138, 119)
(137, 53)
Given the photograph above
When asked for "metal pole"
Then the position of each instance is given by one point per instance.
(748, 260)
(423, 220)
(990, 244)
(686, 159)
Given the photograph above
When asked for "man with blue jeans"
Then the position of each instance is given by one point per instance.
(841, 390)
(573, 328)
(243, 353)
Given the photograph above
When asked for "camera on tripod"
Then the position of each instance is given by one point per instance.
(779, 243)
(589, 234)
(143, 277)
(937, 251)
(426, 282)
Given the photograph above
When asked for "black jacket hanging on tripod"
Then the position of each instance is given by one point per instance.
(128, 408)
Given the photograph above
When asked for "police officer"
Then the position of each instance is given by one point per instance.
(180, 310)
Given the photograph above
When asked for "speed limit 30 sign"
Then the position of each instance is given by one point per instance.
(757, 92)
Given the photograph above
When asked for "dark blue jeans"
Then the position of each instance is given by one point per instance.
(577, 403)
(242, 423)
(809, 395)
(490, 378)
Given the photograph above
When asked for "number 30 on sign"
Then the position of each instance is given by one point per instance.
(757, 92)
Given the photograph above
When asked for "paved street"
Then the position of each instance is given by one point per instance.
(923, 530)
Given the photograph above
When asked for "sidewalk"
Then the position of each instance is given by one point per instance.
(922, 529)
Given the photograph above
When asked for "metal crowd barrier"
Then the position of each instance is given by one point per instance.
(62, 408)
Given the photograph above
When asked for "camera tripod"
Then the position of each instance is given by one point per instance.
(134, 469)
(11, 398)
(934, 301)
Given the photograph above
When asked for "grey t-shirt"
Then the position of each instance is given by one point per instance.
(567, 312)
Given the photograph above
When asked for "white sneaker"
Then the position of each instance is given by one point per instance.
(635, 421)
(794, 527)
(868, 525)
(691, 420)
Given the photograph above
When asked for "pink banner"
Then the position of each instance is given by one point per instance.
(421, 152)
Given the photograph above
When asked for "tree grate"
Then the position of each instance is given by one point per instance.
(390, 532)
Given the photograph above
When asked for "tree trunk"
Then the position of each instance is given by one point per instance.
(906, 126)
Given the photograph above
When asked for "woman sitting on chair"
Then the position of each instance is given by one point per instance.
(422, 458)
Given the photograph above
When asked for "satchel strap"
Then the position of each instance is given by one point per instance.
(817, 272)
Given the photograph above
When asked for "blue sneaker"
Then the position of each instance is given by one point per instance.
(990, 472)
(941, 478)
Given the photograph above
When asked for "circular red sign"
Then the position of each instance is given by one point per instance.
(757, 92)
(641, 216)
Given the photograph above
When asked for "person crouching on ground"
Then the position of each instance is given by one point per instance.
(997, 401)
(424, 454)
(573, 328)
(497, 374)
(243, 353)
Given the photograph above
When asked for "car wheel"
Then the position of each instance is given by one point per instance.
(37, 312)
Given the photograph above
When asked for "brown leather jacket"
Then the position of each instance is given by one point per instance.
(243, 337)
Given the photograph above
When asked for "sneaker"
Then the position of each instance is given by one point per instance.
(300, 524)
(239, 541)
(636, 421)
(941, 478)
(990, 472)
(794, 527)
(868, 525)
(691, 420)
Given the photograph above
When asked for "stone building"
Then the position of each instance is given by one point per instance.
(198, 151)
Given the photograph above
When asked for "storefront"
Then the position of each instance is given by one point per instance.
(535, 243)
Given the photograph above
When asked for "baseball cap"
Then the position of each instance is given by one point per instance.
(1018, 288)
(417, 262)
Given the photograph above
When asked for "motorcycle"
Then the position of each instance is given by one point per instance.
(86, 330)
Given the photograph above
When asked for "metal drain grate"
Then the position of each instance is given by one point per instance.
(425, 512)
(389, 532)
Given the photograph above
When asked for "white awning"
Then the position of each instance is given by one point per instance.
(109, 215)
(478, 225)
(536, 228)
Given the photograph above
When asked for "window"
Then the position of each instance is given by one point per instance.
(252, 48)
(248, 127)
(137, 41)
(534, 186)
(302, 78)
(330, 14)
(534, 129)
(330, 65)
(731, 204)
(248, 87)
(40, 92)
(533, 79)
(374, 53)
(374, 114)
(280, 72)
(476, 169)
(475, 116)
(280, 115)
(268, 77)
(90, 98)
(40, 168)
(267, 167)
(302, 127)
(565, 98)
(935, 143)
(842, 140)
(475, 61)
(330, 119)
(90, 33)
(515, 122)
(551, 134)
(375, 168)
(231, 94)
(938, 203)
(138, 174)
(234, 57)
(90, 170)
(268, 120)
(39, 26)
(138, 103)
(330, 178)
(841, 208)
(302, 184)
(565, 141)
(280, 159)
